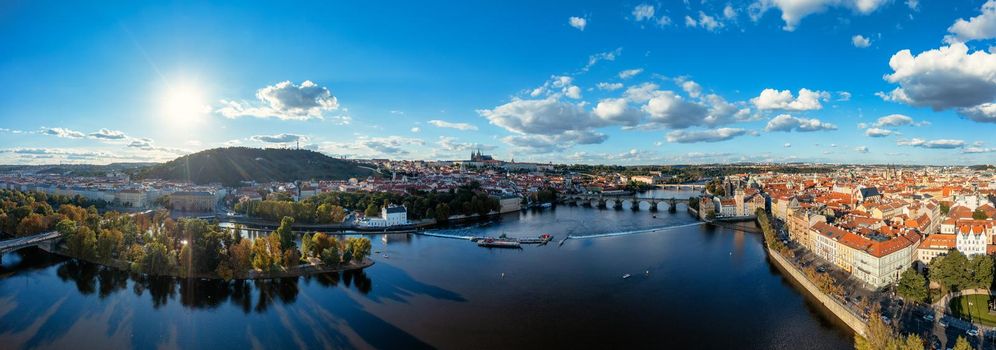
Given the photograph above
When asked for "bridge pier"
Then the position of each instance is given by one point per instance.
(601, 203)
(586, 203)
(634, 204)
(653, 206)
(617, 204)
(673, 208)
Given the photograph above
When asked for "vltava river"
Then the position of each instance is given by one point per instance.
(691, 286)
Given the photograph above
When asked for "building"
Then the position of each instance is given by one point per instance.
(192, 201)
(509, 203)
(131, 198)
(389, 216)
(971, 240)
(933, 246)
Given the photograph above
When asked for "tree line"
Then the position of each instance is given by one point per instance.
(332, 207)
(29, 213)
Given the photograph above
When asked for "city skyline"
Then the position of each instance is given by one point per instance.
(624, 83)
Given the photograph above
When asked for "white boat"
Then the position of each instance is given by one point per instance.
(626, 276)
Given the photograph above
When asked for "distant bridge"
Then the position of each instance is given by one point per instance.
(43, 240)
(680, 187)
(604, 200)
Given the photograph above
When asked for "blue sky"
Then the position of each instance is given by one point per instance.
(620, 82)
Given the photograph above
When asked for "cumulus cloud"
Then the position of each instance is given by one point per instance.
(416, 129)
(578, 22)
(843, 96)
(556, 86)
(63, 133)
(729, 12)
(879, 132)
(629, 73)
(617, 110)
(107, 134)
(984, 113)
(609, 86)
(278, 138)
(793, 11)
(861, 149)
(860, 41)
(976, 149)
(771, 99)
(715, 135)
(555, 143)
(943, 78)
(787, 145)
(979, 27)
(387, 146)
(549, 116)
(285, 100)
(445, 124)
(936, 144)
(787, 123)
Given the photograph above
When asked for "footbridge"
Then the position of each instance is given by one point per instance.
(616, 201)
(43, 240)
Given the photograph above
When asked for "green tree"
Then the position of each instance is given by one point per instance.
(978, 214)
(913, 286)
(156, 260)
(291, 258)
(66, 227)
(981, 267)
(372, 211)
(108, 244)
(286, 234)
(359, 247)
(306, 245)
(83, 244)
(945, 208)
(951, 271)
(442, 212)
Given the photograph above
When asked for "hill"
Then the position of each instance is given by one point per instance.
(229, 166)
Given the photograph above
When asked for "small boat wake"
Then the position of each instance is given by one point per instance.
(633, 232)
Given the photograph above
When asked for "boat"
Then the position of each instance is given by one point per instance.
(626, 276)
(546, 205)
(498, 243)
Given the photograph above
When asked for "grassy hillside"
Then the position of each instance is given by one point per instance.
(231, 165)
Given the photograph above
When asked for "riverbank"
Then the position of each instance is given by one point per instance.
(853, 321)
(296, 271)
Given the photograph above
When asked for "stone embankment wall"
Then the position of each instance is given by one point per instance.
(842, 312)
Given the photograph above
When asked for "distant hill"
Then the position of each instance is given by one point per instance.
(74, 169)
(232, 165)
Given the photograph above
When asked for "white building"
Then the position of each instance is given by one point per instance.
(970, 241)
(389, 216)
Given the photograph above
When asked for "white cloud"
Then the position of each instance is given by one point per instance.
(843, 96)
(860, 41)
(601, 56)
(692, 88)
(546, 125)
(793, 11)
(640, 93)
(578, 22)
(729, 12)
(643, 12)
(985, 113)
(947, 77)
(879, 132)
(629, 73)
(861, 149)
(278, 138)
(936, 144)
(63, 133)
(770, 99)
(286, 101)
(107, 134)
(705, 21)
(975, 149)
(445, 124)
(452, 145)
(787, 145)
(416, 129)
(913, 4)
(609, 86)
(715, 135)
(787, 123)
(556, 86)
(979, 27)
(616, 110)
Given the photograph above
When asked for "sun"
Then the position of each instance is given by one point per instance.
(184, 103)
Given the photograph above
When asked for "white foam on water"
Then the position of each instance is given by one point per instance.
(633, 232)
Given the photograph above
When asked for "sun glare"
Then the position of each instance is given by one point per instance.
(184, 103)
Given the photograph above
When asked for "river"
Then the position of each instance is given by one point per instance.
(692, 286)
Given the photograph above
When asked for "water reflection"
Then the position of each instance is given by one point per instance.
(89, 279)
